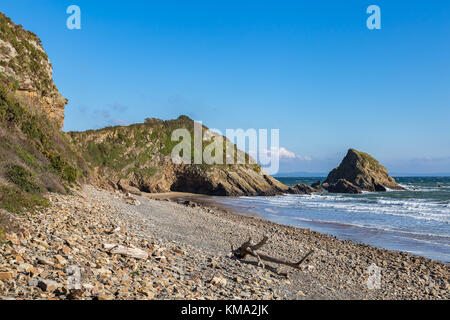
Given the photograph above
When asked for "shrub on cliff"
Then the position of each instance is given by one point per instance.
(34, 155)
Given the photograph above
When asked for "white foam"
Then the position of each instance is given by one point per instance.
(377, 227)
(419, 209)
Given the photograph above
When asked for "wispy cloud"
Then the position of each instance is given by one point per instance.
(285, 154)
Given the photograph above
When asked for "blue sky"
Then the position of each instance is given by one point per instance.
(310, 68)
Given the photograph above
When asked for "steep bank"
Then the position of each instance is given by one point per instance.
(35, 156)
(23, 59)
(138, 158)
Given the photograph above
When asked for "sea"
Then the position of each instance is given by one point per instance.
(416, 220)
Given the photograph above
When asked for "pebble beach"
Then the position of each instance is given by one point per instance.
(177, 250)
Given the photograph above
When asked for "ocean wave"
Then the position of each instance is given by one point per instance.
(413, 211)
(381, 228)
(414, 220)
(418, 209)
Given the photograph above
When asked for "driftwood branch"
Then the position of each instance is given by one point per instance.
(125, 251)
(247, 248)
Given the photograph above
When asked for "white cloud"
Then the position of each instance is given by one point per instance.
(285, 154)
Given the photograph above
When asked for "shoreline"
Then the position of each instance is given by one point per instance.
(208, 202)
(401, 259)
(187, 247)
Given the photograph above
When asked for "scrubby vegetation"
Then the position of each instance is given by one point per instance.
(23, 179)
(16, 201)
(2, 235)
(29, 59)
(138, 144)
(141, 153)
(34, 156)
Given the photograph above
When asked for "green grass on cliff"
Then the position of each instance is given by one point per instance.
(17, 201)
(140, 151)
(29, 59)
(2, 235)
(34, 155)
(367, 158)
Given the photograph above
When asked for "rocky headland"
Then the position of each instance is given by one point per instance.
(138, 159)
(359, 172)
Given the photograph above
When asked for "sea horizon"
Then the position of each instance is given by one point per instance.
(394, 175)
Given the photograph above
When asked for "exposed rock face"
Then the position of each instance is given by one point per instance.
(362, 171)
(304, 189)
(138, 158)
(23, 59)
(343, 186)
(35, 156)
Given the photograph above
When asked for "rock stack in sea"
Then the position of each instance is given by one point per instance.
(359, 172)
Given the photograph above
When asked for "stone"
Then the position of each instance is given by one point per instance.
(65, 250)
(60, 259)
(25, 267)
(45, 261)
(47, 285)
(219, 281)
(316, 185)
(6, 276)
(302, 189)
(343, 186)
(12, 238)
(104, 297)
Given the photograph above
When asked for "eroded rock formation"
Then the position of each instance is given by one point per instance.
(139, 156)
(23, 59)
(359, 170)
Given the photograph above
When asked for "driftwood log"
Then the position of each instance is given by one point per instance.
(247, 248)
(125, 251)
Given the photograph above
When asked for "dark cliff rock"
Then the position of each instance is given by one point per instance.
(343, 186)
(304, 189)
(316, 185)
(362, 171)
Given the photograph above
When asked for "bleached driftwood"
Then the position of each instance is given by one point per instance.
(247, 248)
(125, 251)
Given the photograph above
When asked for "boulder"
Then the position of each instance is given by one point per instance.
(343, 186)
(302, 189)
(316, 185)
(362, 171)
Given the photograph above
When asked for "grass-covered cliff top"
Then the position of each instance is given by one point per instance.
(136, 145)
(367, 159)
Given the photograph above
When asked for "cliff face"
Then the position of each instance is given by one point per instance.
(23, 58)
(138, 157)
(35, 156)
(362, 171)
